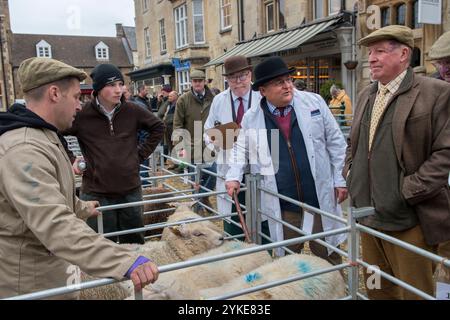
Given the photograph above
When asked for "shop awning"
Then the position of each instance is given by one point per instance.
(281, 41)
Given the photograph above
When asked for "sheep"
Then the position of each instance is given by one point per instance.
(180, 243)
(326, 286)
(186, 283)
(154, 218)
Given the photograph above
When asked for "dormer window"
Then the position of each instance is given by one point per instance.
(43, 49)
(102, 51)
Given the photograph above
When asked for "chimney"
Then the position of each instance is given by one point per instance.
(119, 31)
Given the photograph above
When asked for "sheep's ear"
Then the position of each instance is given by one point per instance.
(176, 230)
(188, 204)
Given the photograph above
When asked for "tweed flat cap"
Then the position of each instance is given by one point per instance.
(36, 72)
(401, 34)
(197, 74)
(441, 48)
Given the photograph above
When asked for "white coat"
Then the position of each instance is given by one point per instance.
(221, 111)
(325, 145)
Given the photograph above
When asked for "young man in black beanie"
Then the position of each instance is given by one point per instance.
(107, 129)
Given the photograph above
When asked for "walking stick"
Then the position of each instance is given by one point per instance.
(241, 217)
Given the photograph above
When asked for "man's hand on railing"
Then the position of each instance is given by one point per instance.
(144, 274)
(231, 186)
(92, 208)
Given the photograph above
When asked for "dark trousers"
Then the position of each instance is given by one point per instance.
(294, 218)
(119, 219)
(143, 172)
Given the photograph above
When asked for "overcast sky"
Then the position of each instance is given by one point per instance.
(70, 17)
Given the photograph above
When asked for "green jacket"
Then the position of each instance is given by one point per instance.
(189, 113)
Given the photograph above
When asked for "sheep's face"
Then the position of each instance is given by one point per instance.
(199, 232)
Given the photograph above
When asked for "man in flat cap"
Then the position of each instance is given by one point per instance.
(42, 232)
(440, 56)
(398, 160)
(107, 130)
(230, 106)
(191, 113)
(292, 139)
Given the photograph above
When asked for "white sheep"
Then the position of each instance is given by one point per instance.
(186, 283)
(179, 243)
(326, 286)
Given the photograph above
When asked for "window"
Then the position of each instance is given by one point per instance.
(270, 23)
(183, 80)
(162, 37)
(101, 51)
(385, 16)
(401, 14)
(281, 14)
(334, 6)
(197, 10)
(180, 14)
(43, 49)
(225, 14)
(144, 5)
(415, 16)
(148, 51)
(318, 9)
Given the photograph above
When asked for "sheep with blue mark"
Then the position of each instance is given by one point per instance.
(326, 286)
(186, 283)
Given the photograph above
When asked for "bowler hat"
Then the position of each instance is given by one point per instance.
(441, 48)
(399, 33)
(269, 69)
(197, 74)
(235, 64)
(36, 72)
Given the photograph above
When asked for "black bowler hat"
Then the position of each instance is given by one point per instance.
(269, 69)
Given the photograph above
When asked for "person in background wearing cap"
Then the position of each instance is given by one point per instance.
(398, 159)
(307, 168)
(107, 131)
(440, 56)
(42, 232)
(191, 111)
(230, 106)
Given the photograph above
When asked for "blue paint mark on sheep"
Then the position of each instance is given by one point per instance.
(252, 277)
(236, 246)
(304, 267)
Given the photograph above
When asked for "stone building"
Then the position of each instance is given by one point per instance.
(373, 14)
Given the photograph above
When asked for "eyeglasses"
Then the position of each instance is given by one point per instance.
(280, 82)
(242, 77)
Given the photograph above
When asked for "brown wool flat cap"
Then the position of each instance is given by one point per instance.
(401, 34)
(235, 64)
(36, 72)
(197, 74)
(441, 48)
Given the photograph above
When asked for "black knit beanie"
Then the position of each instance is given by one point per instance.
(104, 74)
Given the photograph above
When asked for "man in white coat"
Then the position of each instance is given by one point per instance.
(230, 106)
(294, 142)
